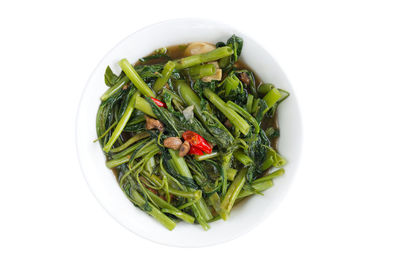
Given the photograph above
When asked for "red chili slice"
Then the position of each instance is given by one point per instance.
(158, 102)
(195, 151)
(197, 141)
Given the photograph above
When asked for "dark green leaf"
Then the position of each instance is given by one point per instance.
(156, 56)
(260, 111)
(237, 44)
(168, 101)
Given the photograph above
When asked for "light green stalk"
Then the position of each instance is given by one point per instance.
(231, 173)
(150, 165)
(135, 78)
(255, 105)
(116, 162)
(196, 195)
(245, 114)
(272, 175)
(226, 162)
(200, 71)
(147, 149)
(256, 187)
(264, 88)
(115, 88)
(200, 206)
(190, 98)
(242, 157)
(131, 141)
(272, 159)
(206, 156)
(232, 194)
(215, 202)
(154, 212)
(130, 149)
(249, 104)
(213, 55)
(144, 106)
(165, 74)
(168, 208)
(272, 97)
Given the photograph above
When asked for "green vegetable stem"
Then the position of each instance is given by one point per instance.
(213, 55)
(135, 78)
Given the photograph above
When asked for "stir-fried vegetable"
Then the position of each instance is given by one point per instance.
(190, 134)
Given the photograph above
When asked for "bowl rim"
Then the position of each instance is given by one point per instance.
(292, 94)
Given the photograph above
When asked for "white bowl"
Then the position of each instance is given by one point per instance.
(102, 181)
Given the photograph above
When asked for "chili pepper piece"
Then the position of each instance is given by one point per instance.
(159, 102)
(197, 141)
(195, 151)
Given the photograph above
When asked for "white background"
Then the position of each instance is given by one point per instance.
(343, 59)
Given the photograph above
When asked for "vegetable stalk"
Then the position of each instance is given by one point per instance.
(168, 208)
(264, 88)
(256, 187)
(272, 159)
(165, 74)
(242, 157)
(272, 97)
(135, 78)
(261, 184)
(116, 162)
(113, 89)
(232, 194)
(249, 104)
(130, 149)
(245, 114)
(196, 195)
(131, 141)
(206, 156)
(153, 211)
(190, 98)
(232, 116)
(226, 162)
(213, 55)
(272, 175)
(144, 106)
(231, 173)
(200, 71)
(183, 169)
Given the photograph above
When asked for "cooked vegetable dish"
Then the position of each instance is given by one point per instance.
(190, 131)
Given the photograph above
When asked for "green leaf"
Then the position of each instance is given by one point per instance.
(156, 56)
(109, 77)
(149, 71)
(233, 89)
(260, 111)
(237, 44)
(168, 101)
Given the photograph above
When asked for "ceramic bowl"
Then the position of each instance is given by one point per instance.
(101, 180)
